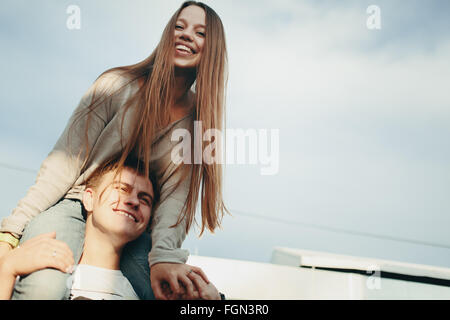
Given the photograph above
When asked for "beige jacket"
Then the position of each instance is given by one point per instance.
(62, 175)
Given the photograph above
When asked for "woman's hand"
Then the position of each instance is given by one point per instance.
(206, 291)
(202, 290)
(40, 252)
(171, 281)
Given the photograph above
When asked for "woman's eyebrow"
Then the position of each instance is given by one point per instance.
(196, 25)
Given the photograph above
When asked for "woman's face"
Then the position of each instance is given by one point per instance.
(189, 35)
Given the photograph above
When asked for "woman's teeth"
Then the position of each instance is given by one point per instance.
(184, 48)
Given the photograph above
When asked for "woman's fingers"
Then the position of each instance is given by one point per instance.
(173, 282)
(161, 291)
(189, 287)
(200, 272)
(199, 283)
(197, 280)
(206, 291)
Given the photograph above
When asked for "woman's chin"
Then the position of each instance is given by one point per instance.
(184, 65)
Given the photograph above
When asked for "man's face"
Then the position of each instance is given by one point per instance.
(121, 206)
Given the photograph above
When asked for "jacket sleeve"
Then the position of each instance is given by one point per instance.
(63, 165)
(167, 241)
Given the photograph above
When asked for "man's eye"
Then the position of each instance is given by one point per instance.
(145, 201)
(121, 188)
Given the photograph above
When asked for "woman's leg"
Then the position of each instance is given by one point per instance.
(66, 218)
(134, 266)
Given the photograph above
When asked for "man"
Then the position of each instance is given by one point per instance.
(118, 207)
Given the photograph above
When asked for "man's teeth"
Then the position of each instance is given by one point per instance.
(182, 47)
(126, 215)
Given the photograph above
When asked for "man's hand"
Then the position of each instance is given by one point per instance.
(202, 290)
(206, 291)
(41, 252)
(38, 253)
(174, 275)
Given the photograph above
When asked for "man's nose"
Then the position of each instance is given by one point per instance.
(131, 200)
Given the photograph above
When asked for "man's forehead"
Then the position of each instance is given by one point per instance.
(131, 177)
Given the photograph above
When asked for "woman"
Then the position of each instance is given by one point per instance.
(134, 109)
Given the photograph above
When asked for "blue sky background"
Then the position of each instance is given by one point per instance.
(364, 115)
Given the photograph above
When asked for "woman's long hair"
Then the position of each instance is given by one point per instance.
(154, 98)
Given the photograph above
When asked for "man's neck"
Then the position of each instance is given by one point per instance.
(100, 251)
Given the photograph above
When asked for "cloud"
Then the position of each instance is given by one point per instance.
(314, 60)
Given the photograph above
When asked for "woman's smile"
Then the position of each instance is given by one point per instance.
(184, 48)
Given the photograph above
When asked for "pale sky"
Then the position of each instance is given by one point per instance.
(363, 115)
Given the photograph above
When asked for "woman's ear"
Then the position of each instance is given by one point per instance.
(88, 199)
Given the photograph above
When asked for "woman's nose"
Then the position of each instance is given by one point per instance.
(187, 35)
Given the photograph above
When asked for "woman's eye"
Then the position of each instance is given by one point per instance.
(201, 33)
(179, 27)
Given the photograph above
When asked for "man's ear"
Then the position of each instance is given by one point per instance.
(88, 199)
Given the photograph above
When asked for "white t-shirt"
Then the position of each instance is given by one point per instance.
(100, 284)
